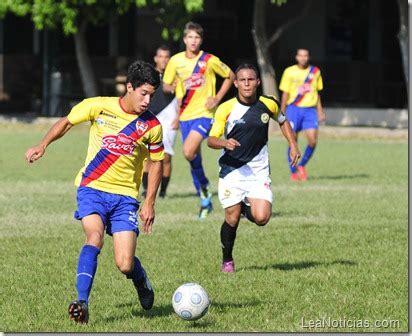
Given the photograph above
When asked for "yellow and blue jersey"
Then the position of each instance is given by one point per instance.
(196, 82)
(118, 144)
(302, 85)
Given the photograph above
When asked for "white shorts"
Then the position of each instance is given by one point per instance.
(166, 118)
(233, 191)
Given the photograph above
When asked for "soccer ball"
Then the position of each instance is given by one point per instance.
(190, 301)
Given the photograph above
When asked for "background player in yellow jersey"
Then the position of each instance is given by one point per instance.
(196, 70)
(122, 135)
(301, 102)
(244, 181)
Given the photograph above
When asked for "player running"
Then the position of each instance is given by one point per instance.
(196, 70)
(122, 135)
(244, 181)
(164, 106)
(301, 84)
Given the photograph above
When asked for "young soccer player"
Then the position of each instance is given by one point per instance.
(122, 135)
(244, 181)
(301, 84)
(164, 107)
(196, 70)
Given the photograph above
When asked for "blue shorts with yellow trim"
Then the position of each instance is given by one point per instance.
(302, 118)
(118, 212)
(200, 125)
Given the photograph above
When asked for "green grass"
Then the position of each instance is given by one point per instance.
(336, 247)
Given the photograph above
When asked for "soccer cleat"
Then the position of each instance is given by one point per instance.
(302, 173)
(228, 267)
(162, 194)
(145, 292)
(205, 203)
(294, 177)
(79, 311)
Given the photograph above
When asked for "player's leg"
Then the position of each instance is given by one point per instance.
(167, 171)
(146, 167)
(124, 229)
(310, 126)
(293, 116)
(260, 199)
(230, 197)
(92, 212)
(228, 236)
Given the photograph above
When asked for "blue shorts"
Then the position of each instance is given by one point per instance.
(118, 212)
(302, 118)
(200, 125)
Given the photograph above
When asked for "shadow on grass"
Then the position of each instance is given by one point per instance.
(137, 311)
(340, 177)
(181, 195)
(300, 265)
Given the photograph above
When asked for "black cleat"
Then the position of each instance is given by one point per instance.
(145, 292)
(79, 311)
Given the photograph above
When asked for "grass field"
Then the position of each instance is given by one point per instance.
(335, 249)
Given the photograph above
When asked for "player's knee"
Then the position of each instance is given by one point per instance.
(124, 264)
(189, 155)
(261, 220)
(95, 239)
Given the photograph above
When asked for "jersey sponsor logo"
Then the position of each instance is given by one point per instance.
(107, 114)
(304, 88)
(227, 193)
(195, 81)
(239, 121)
(119, 144)
(100, 121)
(141, 127)
(265, 118)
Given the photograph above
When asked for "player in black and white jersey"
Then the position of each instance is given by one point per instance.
(164, 106)
(244, 181)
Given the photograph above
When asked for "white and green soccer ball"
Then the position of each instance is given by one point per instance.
(190, 301)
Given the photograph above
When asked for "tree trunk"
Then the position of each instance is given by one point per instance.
(267, 72)
(403, 36)
(87, 74)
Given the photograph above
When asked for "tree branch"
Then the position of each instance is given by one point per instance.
(278, 33)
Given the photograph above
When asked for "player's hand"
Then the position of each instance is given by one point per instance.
(294, 156)
(34, 153)
(231, 144)
(147, 216)
(211, 103)
(175, 124)
(321, 115)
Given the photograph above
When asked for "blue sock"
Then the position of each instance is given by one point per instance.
(86, 269)
(195, 182)
(307, 155)
(292, 169)
(198, 173)
(137, 274)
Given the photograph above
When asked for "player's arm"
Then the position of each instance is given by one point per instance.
(218, 143)
(169, 78)
(147, 213)
(319, 108)
(224, 88)
(290, 137)
(59, 129)
(285, 97)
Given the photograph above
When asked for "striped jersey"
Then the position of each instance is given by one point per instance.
(302, 85)
(197, 79)
(118, 144)
(248, 124)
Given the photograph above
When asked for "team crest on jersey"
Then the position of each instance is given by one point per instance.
(202, 64)
(265, 118)
(119, 144)
(141, 127)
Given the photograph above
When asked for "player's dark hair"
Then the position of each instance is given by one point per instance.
(163, 47)
(140, 73)
(302, 48)
(193, 26)
(247, 66)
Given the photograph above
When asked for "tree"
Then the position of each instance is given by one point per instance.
(263, 42)
(403, 36)
(74, 16)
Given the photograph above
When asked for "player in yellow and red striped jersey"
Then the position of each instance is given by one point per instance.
(196, 72)
(122, 134)
(301, 102)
